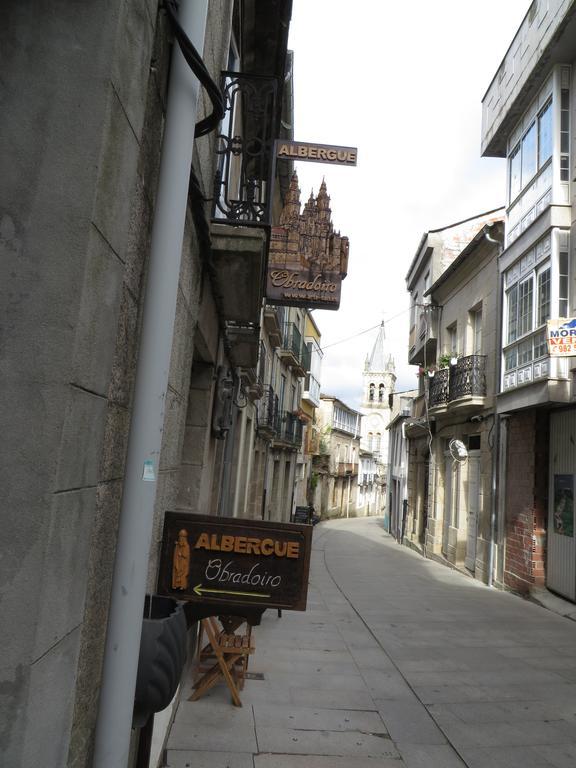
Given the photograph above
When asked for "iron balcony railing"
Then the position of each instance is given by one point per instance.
(468, 377)
(439, 388)
(346, 468)
(268, 412)
(292, 339)
(465, 379)
(289, 428)
(294, 345)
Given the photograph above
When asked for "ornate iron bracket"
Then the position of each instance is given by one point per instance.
(243, 183)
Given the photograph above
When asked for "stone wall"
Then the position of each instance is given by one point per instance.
(81, 132)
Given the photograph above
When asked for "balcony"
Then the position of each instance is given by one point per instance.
(424, 336)
(311, 393)
(267, 413)
(289, 429)
(346, 468)
(243, 341)
(439, 389)
(293, 352)
(252, 383)
(313, 442)
(273, 320)
(460, 385)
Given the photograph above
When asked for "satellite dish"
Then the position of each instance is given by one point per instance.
(458, 450)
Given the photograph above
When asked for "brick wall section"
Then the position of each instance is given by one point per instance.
(526, 500)
(542, 441)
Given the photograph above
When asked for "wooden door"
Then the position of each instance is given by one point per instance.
(473, 509)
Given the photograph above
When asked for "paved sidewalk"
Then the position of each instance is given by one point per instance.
(399, 662)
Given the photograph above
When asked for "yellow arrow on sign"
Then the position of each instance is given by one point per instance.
(199, 590)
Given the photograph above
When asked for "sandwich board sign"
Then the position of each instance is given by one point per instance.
(235, 562)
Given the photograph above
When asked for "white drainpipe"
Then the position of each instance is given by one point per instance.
(135, 529)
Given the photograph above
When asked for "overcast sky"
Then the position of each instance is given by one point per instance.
(403, 82)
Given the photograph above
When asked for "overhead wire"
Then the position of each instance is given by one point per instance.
(366, 330)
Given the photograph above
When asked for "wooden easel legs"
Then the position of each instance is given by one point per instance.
(231, 652)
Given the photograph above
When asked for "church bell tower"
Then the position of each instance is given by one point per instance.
(379, 379)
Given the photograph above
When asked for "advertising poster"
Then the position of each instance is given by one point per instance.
(561, 337)
(564, 505)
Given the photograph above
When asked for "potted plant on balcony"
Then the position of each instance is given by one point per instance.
(301, 415)
(448, 359)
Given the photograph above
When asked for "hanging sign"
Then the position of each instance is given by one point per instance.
(316, 153)
(561, 335)
(307, 259)
(230, 561)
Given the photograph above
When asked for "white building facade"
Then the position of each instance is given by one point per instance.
(527, 118)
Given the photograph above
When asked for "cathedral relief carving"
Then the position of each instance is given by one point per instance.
(308, 259)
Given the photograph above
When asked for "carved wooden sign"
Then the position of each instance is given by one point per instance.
(225, 560)
(308, 259)
(315, 153)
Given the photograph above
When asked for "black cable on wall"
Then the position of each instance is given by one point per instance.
(196, 64)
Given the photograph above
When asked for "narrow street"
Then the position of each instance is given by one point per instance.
(398, 661)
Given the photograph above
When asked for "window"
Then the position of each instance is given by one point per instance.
(543, 297)
(564, 134)
(377, 440)
(473, 442)
(476, 331)
(381, 393)
(413, 309)
(371, 393)
(529, 154)
(532, 152)
(282, 391)
(511, 359)
(262, 363)
(452, 332)
(545, 135)
(525, 352)
(540, 345)
(312, 387)
(370, 440)
(512, 297)
(345, 421)
(563, 284)
(536, 289)
(515, 185)
(525, 299)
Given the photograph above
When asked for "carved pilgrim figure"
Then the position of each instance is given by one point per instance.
(181, 561)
